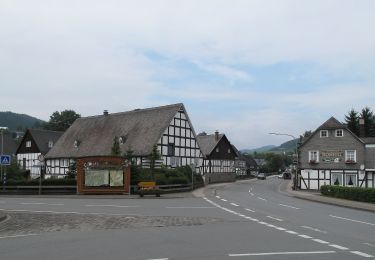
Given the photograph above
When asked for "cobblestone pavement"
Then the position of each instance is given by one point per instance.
(36, 223)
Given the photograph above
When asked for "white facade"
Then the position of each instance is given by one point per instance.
(30, 162)
(58, 167)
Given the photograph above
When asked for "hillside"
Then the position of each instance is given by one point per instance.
(19, 121)
(259, 149)
(288, 146)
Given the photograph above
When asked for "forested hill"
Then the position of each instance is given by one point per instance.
(19, 121)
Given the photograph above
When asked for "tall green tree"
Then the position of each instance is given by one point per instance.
(153, 157)
(368, 117)
(61, 121)
(352, 121)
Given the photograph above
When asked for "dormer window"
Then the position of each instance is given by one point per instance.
(28, 143)
(339, 133)
(76, 143)
(122, 139)
(229, 150)
(217, 149)
(323, 133)
(50, 144)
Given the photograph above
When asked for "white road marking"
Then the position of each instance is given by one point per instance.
(353, 220)
(252, 194)
(56, 204)
(218, 197)
(315, 229)
(278, 219)
(288, 206)
(32, 203)
(339, 247)
(115, 206)
(14, 236)
(284, 253)
(361, 254)
(262, 198)
(224, 200)
(158, 259)
(320, 241)
(187, 207)
(263, 223)
(368, 244)
(305, 236)
(291, 232)
(234, 204)
(67, 212)
(250, 210)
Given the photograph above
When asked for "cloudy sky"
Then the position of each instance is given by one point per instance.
(245, 68)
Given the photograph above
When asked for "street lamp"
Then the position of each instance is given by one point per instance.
(296, 148)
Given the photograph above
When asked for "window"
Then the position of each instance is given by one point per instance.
(171, 149)
(76, 143)
(351, 180)
(336, 178)
(122, 139)
(28, 143)
(50, 144)
(229, 150)
(350, 156)
(313, 156)
(339, 133)
(104, 178)
(323, 133)
(217, 149)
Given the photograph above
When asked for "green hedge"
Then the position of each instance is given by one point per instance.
(350, 193)
(46, 182)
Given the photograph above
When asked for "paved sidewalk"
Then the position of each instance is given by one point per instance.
(286, 187)
(2, 216)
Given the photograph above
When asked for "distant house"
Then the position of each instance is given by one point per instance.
(333, 155)
(244, 165)
(137, 132)
(8, 144)
(219, 158)
(35, 142)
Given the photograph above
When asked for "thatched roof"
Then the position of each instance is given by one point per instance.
(140, 129)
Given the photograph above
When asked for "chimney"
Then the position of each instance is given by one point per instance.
(105, 112)
(362, 131)
(217, 135)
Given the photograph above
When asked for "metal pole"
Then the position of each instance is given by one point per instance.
(296, 151)
(2, 151)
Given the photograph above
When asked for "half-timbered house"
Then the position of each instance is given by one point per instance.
(137, 132)
(219, 158)
(333, 155)
(34, 143)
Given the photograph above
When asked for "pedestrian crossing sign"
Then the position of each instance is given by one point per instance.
(5, 160)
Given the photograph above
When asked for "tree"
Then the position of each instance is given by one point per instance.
(61, 121)
(352, 121)
(368, 117)
(153, 157)
(116, 151)
(307, 134)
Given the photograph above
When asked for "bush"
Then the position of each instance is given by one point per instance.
(164, 176)
(350, 193)
(46, 182)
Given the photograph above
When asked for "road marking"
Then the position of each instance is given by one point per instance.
(252, 194)
(288, 206)
(291, 232)
(361, 254)
(56, 204)
(115, 206)
(320, 241)
(234, 204)
(339, 247)
(224, 200)
(218, 197)
(284, 253)
(262, 199)
(278, 219)
(32, 203)
(190, 207)
(305, 236)
(263, 223)
(250, 210)
(67, 212)
(353, 220)
(280, 228)
(14, 236)
(368, 244)
(315, 229)
(158, 259)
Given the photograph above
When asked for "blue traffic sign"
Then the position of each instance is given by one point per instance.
(5, 160)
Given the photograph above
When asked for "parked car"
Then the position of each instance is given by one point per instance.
(261, 176)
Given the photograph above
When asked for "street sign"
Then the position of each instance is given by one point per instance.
(5, 160)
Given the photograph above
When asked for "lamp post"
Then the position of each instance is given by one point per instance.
(296, 150)
(192, 175)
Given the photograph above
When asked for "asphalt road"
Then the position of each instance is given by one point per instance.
(242, 220)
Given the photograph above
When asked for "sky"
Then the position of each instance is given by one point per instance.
(244, 68)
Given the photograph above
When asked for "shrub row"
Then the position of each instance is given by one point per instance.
(350, 193)
(46, 182)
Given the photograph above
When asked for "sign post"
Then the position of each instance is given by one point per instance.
(41, 160)
(4, 161)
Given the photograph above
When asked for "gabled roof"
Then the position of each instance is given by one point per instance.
(9, 146)
(207, 143)
(331, 123)
(42, 138)
(141, 129)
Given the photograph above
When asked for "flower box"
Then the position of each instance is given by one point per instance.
(313, 162)
(350, 162)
